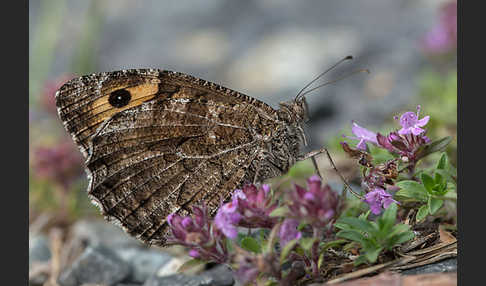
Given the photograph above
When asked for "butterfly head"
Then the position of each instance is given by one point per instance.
(295, 110)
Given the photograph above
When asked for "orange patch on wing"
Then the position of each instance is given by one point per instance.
(101, 109)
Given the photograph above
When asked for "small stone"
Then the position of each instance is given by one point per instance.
(38, 249)
(96, 265)
(144, 262)
(217, 276)
(171, 267)
(99, 232)
(38, 253)
(221, 275)
(448, 265)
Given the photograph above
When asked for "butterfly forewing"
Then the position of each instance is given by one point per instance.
(157, 142)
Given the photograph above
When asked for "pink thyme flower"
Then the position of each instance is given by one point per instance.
(288, 231)
(411, 123)
(442, 38)
(60, 163)
(255, 205)
(197, 233)
(378, 199)
(363, 135)
(315, 205)
(227, 218)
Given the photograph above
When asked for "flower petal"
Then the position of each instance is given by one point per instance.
(417, 130)
(408, 119)
(423, 121)
(364, 133)
(361, 145)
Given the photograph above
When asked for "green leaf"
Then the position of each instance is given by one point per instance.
(389, 217)
(443, 162)
(352, 235)
(439, 178)
(364, 216)
(279, 212)
(326, 245)
(422, 212)
(360, 260)
(286, 250)
(405, 236)
(428, 182)
(251, 244)
(190, 264)
(399, 228)
(434, 205)
(412, 189)
(320, 261)
(229, 245)
(342, 226)
(307, 242)
(359, 224)
(432, 147)
(372, 254)
(301, 225)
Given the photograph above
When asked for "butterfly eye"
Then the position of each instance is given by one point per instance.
(119, 98)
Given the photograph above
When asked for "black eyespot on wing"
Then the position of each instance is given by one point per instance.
(120, 98)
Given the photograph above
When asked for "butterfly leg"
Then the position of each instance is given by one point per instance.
(313, 154)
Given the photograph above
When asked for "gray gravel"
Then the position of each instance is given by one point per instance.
(217, 276)
(99, 232)
(143, 262)
(38, 253)
(96, 265)
(448, 265)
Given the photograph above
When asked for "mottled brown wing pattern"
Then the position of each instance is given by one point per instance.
(179, 141)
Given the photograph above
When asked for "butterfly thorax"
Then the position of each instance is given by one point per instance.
(295, 113)
(284, 147)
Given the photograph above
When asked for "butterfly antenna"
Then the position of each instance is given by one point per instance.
(336, 80)
(319, 76)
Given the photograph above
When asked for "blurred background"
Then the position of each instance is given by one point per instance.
(266, 49)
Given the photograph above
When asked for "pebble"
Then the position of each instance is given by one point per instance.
(100, 232)
(217, 276)
(448, 265)
(144, 262)
(38, 249)
(96, 265)
(38, 253)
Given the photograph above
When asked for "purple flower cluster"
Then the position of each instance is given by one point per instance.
(249, 207)
(317, 205)
(198, 234)
(378, 199)
(47, 100)
(60, 163)
(250, 265)
(227, 219)
(405, 142)
(255, 205)
(288, 231)
(442, 38)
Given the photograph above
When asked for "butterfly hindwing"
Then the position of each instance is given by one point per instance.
(171, 145)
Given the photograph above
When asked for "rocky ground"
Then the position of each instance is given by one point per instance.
(102, 254)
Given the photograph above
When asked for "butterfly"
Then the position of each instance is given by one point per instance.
(157, 142)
